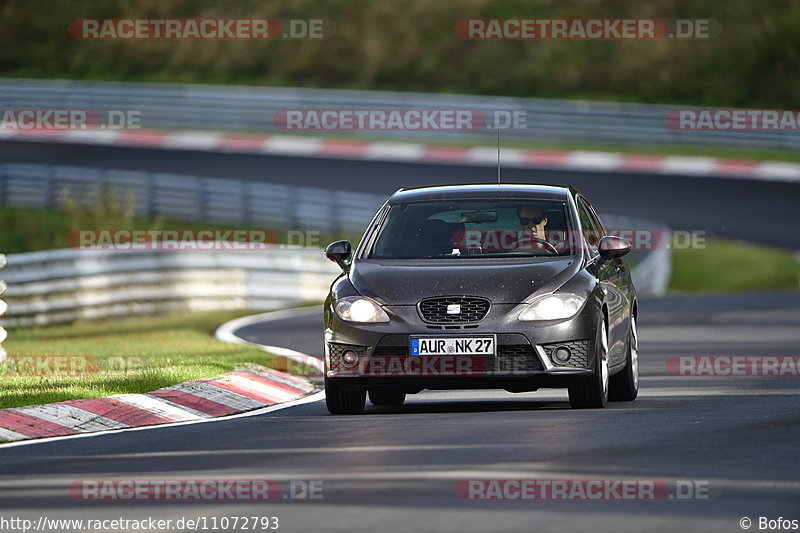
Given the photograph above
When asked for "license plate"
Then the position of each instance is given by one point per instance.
(452, 345)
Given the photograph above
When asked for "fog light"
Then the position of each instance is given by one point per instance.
(562, 354)
(349, 357)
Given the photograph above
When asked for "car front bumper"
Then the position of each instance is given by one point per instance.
(524, 351)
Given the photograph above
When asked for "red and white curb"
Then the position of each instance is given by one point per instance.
(286, 145)
(243, 390)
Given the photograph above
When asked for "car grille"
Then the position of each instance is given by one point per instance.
(517, 358)
(579, 357)
(434, 310)
(391, 350)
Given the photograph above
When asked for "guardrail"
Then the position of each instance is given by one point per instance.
(64, 285)
(251, 109)
(198, 199)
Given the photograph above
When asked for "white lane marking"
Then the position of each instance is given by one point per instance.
(264, 410)
(71, 417)
(688, 165)
(218, 395)
(775, 170)
(197, 140)
(92, 136)
(7, 434)
(280, 144)
(394, 151)
(602, 161)
(487, 156)
(157, 406)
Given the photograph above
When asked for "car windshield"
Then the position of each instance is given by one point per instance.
(474, 229)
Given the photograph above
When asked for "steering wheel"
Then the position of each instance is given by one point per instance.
(549, 247)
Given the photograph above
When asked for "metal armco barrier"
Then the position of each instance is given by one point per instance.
(251, 109)
(191, 198)
(55, 286)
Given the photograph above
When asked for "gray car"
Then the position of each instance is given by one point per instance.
(510, 286)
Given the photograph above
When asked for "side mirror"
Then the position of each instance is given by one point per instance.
(613, 247)
(341, 253)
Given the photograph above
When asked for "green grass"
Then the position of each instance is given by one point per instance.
(734, 266)
(410, 45)
(117, 356)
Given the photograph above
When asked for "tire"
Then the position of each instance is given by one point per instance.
(624, 386)
(342, 401)
(593, 392)
(386, 397)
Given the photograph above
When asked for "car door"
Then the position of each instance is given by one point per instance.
(612, 276)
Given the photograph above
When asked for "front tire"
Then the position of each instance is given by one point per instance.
(342, 401)
(625, 385)
(593, 392)
(386, 397)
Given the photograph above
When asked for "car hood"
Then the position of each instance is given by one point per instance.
(393, 283)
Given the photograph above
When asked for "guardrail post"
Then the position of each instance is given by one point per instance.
(149, 194)
(244, 199)
(200, 206)
(48, 188)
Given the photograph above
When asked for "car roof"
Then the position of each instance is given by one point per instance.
(482, 190)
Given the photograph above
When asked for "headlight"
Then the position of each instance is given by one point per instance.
(553, 307)
(360, 309)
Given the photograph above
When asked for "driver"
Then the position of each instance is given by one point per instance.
(533, 223)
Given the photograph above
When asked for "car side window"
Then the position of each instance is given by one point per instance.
(590, 226)
(596, 219)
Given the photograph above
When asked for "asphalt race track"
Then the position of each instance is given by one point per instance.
(396, 469)
(756, 211)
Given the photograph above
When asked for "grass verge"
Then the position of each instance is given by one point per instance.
(728, 266)
(114, 357)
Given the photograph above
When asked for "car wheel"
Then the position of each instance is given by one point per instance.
(593, 392)
(625, 385)
(342, 401)
(386, 397)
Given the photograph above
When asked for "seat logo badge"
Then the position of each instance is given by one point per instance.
(454, 309)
